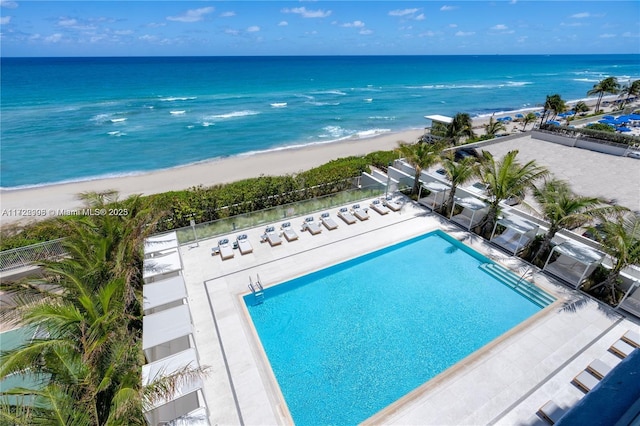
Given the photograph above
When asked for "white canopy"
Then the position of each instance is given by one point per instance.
(162, 264)
(160, 243)
(575, 263)
(517, 223)
(164, 291)
(436, 186)
(580, 252)
(165, 326)
(439, 118)
(170, 365)
(470, 203)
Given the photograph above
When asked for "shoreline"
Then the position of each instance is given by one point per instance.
(21, 206)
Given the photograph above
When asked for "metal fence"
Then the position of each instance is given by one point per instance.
(26, 256)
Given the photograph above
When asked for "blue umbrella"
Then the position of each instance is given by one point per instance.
(623, 129)
(608, 117)
(519, 116)
(554, 123)
(634, 117)
(507, 118)
(609, 122)
(537, 114)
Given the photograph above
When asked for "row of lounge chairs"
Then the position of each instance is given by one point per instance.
(273, 236)
(588, 378)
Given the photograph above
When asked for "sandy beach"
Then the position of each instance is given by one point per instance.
(41, 202)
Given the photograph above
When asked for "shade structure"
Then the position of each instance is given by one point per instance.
(519, 116)
(575, 262)
(553, 122)
(517, 235)
(623, 129)
(608, 117)
(171, 365)
(473, 211)
(161, 264)
(165, 326)
(439, 118)
(163, 292)
(160, 243)
(437, 195)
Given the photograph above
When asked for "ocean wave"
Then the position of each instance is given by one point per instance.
(316, 103)
(116, 133)
(118, 120)
(371, 133)
(278, 104)
(234, 114)
(178, 98)
(382, 117)
(330, 92)
(336, 132)
(181, 112)
(368, 100)
(472, 86)
(586, 80)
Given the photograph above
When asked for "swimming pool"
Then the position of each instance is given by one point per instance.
(346, 341)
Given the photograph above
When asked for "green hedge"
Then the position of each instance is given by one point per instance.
(605, 137)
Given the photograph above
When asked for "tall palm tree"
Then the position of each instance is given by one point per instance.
(553, 105)
(458, 173)
(528, 118)
(629, 91)
(561, 208)
(608, 85)
(493, 127)
(579, 108)
(420, 156)
(89, 308)
(506, 178)
(621, 240)
(461, 126)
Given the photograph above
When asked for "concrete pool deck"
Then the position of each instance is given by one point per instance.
(505, 382)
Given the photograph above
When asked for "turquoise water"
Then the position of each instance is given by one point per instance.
(10, 340)
(69, 119)
(347, 341)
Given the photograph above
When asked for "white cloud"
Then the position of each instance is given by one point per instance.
(572, 24)
(192, 15)
(581, 15)
(5, 20)
(630, 34)
(147, 37)
(366, 31)
(420, 17)
(427, 34)
(302, 11)
(513, 2)
(464, 34)
(446, 8)
(156, 24)
(354, 24)
(607, 35)
(253, 29)
(53, 38)
(522, 39)
(67, 22)
(8, 4)
(123, 32)
(231, 32)
(227, 14)
(402, 12)
(499, 27)
(453, 25)
(283, 23)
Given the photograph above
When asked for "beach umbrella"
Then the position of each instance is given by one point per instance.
(519, 116)
(537, 114)
(634, 117)
(623, 129)
(609, 122)
(608, 117)
(507, 118)
(553, 123)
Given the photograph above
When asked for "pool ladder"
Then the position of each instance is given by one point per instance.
(257, 290)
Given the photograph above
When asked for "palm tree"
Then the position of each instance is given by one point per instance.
(461, 126)
(629, 91)
(621, 240)
(608, 85)
(458, 173)
(420, 156)
(529, 118)
(89, 308)
(561, 208)
(505, 179)
(554, 104)
(580, 108)
(493, 127)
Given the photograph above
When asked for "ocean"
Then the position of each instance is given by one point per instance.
(73, 119)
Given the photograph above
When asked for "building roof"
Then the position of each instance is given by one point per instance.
(439, 118)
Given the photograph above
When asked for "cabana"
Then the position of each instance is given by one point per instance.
(631, 300)
(161, 266)
(516, 235)
(167, 332)
(473, 211)
(160, 243)
(573, 262)
(437, 194)
(163, 294)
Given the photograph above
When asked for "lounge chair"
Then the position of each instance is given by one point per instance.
(243, 244)
(328, 223)
(345, 215)
(311, 226)
(585, 381)
(551, 412)
(392, 205)
(271, 236)
(359, 212)
(622, 349)
(288, 232)
(598, 368)
(379, 207)
(631, 337)
(226, 251)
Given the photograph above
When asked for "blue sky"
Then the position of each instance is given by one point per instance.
(211, 28)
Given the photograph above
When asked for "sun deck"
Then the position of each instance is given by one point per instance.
(504, 383)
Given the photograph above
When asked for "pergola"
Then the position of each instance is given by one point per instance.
(473, 211)
(437, 195)
(574, 262)
(518, 233)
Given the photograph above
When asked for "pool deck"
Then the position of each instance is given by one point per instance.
(504, 383)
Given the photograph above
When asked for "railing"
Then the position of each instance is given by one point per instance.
(27, 256)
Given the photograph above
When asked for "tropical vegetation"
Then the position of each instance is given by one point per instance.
(528, 118)
(493, 127)
(461, 127)
(608, 85)
(553, 105)
(458, 173)
(629, 91)
(420, 156)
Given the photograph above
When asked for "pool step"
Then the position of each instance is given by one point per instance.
(522, 286)
(257, 290)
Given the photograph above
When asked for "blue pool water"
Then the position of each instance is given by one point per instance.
(346, 341)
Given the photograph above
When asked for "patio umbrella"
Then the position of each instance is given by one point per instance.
(519, 116)
(507, 118)
(634, 117)
(553, 123)
(608, 117)
(623, 129)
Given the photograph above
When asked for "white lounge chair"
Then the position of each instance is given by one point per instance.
(551, 412)
(359, 212)
(288, 232)
(328, 222)
(586, 381)
(346, 215)
(631, 337)
(272, 236)
(379, 207)
(226, 251)
(392, 204)
(243, 244)
(311, 226)
(598, 368)
(622, 349)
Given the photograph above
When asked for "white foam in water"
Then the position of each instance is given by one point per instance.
(177, 112)
(279, 104)
(173, 99)
(369, 100)
(323, 103)
(372, 132)
(118, 120)
(233, 114)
